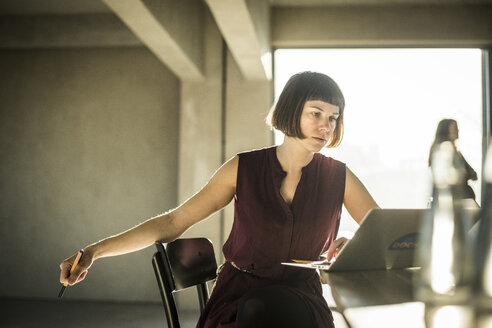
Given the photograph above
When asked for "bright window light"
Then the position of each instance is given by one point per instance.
(394, 101)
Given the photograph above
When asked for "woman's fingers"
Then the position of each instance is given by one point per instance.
(340, 242)
(64, 271)
(65, 268)
(331, 252)
(78, 273)
(335, 248)
(82, 276)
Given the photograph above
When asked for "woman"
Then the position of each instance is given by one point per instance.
(447, 130)
(288, 201)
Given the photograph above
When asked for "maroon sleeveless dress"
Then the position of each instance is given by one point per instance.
(267, 231)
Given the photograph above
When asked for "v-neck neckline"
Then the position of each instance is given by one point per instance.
(279, 166)
(284, 174)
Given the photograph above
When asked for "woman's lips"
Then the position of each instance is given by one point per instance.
(320, 140)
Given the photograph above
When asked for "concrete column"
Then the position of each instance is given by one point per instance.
(200, 131)
(247, 104)
(200, 142)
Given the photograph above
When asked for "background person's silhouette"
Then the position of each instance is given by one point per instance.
(447, 130)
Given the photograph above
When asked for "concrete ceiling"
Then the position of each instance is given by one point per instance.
(171, 29)
(29, 7)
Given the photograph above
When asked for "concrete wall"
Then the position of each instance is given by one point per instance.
(88, 147)
(94, 141)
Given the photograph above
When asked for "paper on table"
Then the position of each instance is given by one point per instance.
(322, 265)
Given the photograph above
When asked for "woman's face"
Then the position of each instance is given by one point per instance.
(318, 122)
(453, 132)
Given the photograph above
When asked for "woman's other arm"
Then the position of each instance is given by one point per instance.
(216, 194)
(358, 203)
(357, 199)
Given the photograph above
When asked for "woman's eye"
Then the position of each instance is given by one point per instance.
(316, 114)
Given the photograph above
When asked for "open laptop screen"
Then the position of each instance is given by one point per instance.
(386, 239)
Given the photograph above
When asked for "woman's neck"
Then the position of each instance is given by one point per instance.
(293, 156)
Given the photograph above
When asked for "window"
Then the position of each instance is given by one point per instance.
(394, 101)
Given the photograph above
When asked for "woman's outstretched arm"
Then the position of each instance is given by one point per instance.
(216, 194)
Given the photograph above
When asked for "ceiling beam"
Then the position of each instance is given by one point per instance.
(245, 26)
(383, 26)
(172, 30)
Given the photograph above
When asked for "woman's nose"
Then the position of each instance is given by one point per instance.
(325, 125)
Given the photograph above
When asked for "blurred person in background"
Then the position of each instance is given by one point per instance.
(447, 130)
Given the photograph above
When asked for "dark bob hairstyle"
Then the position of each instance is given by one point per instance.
(302, 87)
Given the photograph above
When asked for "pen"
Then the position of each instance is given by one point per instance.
(79, 255)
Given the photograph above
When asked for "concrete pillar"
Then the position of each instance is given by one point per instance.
(200, 130)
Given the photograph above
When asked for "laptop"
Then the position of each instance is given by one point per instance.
(386, 239)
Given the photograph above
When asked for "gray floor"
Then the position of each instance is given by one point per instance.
(78, 314)
(82, 314)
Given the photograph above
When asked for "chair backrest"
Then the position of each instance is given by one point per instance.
(180, 264)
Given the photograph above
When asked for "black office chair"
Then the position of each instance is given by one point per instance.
(180, 264)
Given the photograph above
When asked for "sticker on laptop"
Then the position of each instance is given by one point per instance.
(408, 241)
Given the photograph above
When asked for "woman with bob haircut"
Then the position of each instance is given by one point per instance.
(287, 205)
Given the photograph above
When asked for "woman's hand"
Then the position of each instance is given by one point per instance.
(80, 271)
(335, 248)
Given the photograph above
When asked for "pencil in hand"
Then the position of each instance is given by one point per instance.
(77, 259)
